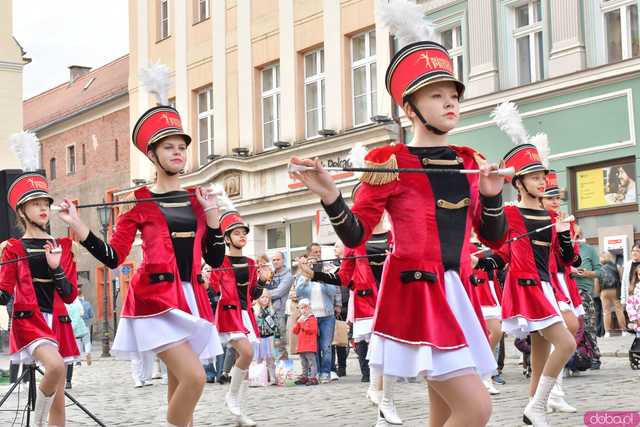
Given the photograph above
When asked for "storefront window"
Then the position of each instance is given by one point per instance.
(607, 187)
(292, 238)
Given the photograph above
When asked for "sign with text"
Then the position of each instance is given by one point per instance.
(605, 187)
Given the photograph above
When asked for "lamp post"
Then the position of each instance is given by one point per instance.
(104, 215)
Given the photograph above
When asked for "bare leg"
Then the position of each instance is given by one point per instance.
(495, 332)
(439, 411)
(467, 400)
(51, 383)
(539, 355)
(245, 352)
(56, 413)
(184, 365)
(571, 321)
(564, 346)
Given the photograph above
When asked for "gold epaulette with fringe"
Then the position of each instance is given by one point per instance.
(383, 158)
(124, 208)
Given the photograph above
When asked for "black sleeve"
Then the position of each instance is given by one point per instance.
(566, 246)
(344, 222)
(490, 263)
(578, 262)
(5, 297)
(61, 283)
(257, 292)
(328, 278)
(493, 223)
(100, 250)
(213, 247)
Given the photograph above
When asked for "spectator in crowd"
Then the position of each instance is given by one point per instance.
(585, 275)
(80, 330)
(321, 298)
(339, 354)
(609, 290)
(279, 286)
(306, 328)
(84, 345)
(628, 272)
(267, 329)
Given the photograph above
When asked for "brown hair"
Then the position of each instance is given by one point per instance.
(634, 280)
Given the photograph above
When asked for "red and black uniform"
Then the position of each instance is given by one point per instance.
(488, 290)
(39, 292)
(429, 269)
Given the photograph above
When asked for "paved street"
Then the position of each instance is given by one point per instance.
(106, 388)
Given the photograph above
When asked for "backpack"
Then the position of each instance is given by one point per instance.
(610, 277)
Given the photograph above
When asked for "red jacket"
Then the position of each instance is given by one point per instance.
(16, 279)
(229, 313)
(307, 332)
(156, 285)
(480, 280)
(417, 312)
(523, 295)
(572, 286)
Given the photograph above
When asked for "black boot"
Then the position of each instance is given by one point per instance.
(361, 349)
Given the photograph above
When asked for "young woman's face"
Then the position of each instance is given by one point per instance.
(171, 152)
(264, 300)
(551, 203)
(238, 237)
(623, 178)
(439, 104)
(37, 211)
(534, 183)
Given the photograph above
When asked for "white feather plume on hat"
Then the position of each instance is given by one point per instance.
(405, 19)
(26, 147)
(541, 142)
(508, 119)
(156, 80)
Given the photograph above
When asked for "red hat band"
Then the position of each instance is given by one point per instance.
(155, 124)
(525, 159)
(417, 65)
(552, 188)
(231, 220)
(28, 187)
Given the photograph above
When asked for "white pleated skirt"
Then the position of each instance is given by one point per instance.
(405, 360)
(362, 329)
(163, 331)
(25, 356)
(578, 311)
(520, 327)
(226, 337)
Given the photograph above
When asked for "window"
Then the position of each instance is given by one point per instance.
(163, 19)
(528, 37)
(363, 64)
(205, 124)
(452, 40)
(201, 10)
(314, 92)
(115, 148)
(84, 154)
(52, 168)
(291, 238)
(622, 40)
(270, 106)
(71, 159)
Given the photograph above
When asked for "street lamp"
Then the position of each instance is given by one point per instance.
(104, 215)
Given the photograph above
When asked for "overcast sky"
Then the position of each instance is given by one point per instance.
(56, 34)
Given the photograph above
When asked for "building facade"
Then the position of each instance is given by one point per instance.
(83, 127)
(260, 81)
(12, 59)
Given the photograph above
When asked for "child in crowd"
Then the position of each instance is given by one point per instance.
(265, 318)
(633, 302)
(306, 328)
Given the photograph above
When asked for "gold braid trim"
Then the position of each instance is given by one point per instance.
(381, 178)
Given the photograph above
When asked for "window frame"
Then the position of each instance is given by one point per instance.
(287, 249)
(53, 164)
(448, 23)
(371, 87)
(197, 17)
(209, 115)
(318, 80)
(274, 94)
(623, 6)
(67, 148)
(163, 20)
(530, 31)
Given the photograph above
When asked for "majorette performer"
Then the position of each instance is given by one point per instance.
(427, 320)
(489, 293)
(40, 286)
(573, 311)
(361, 271)
(531, 293)
(166, 309)
(238, 283)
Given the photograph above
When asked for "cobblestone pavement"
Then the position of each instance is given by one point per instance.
(107, 390)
